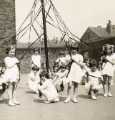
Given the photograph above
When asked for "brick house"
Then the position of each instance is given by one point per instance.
(95, 37)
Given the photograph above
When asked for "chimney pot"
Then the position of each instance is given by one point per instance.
(109, 27)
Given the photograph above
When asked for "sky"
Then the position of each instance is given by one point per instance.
(77, 14)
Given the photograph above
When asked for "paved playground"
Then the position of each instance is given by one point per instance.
(32, 108)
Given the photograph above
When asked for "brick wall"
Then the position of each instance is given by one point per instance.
(26, 57)
(7, 25)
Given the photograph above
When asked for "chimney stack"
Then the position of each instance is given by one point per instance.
(109, 27)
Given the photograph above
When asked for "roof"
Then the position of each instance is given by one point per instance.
(102, 32)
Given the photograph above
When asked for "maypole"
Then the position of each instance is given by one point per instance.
(45, 35)
(50, 16)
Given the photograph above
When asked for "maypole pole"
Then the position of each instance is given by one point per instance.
(45, 35)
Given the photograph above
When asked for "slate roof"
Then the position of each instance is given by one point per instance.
(102, 32)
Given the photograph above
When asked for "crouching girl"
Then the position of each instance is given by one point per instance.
(94, 79)
(47, 89)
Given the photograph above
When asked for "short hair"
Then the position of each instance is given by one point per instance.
(36, 49)
(93, 63)
(44, 74)
(62, 53)
(7, 50)
(74, 51)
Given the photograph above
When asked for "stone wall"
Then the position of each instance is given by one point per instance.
(25, 56)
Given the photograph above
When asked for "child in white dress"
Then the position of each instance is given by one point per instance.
(34, 75)
(11, 76)
(34, 80)
(3, 84)
(36, 60)
(48, 89)
(108, 69)
(94, 79)
(74, 76)
(61, 72)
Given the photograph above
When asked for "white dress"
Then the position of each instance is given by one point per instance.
(62, 73)
(11, 73)
(108, 68)
(49, 90)
(60, 77)
(34, 80)
(76, 72)
(60, 60)
(36, 60)
(93, 80)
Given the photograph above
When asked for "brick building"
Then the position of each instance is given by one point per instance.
(7, 25)
(96, 37)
